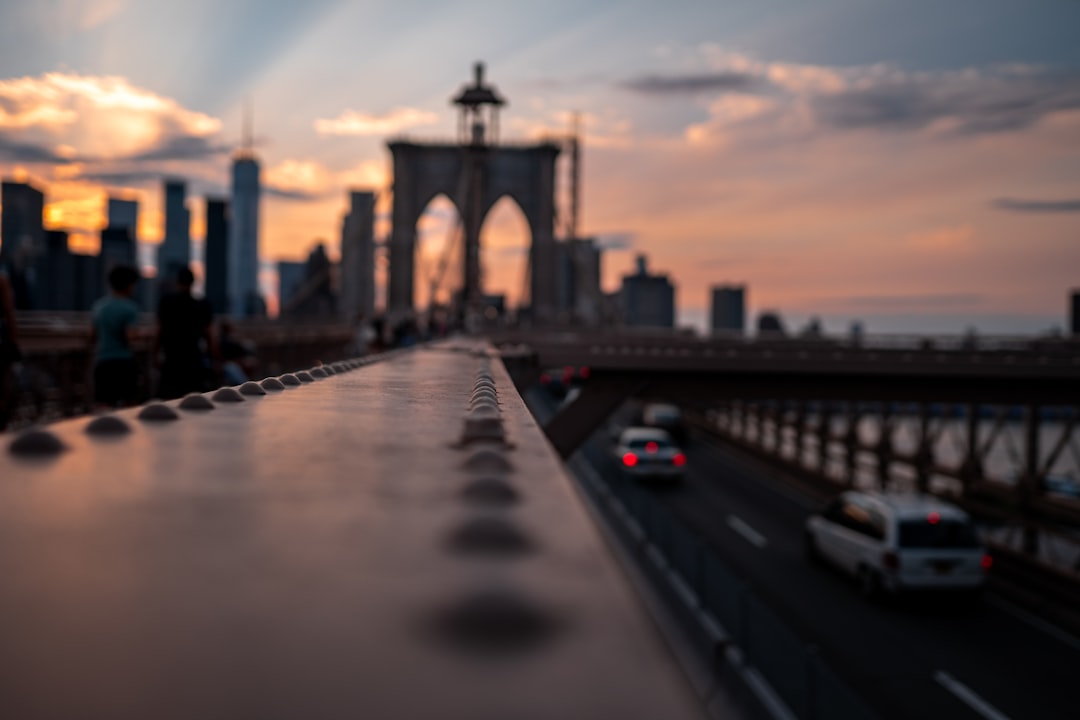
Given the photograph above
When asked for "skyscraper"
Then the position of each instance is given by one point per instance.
(647, 300)
(175, 250)
(242, 265)
(22, 232)
(358, 257)
(577, 273)
(729, 309)
(125, 214)
(217, 254)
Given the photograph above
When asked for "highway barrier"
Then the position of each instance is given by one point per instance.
(727, 614)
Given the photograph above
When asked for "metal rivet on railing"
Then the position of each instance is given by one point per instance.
(156, 412)
(272, 384)
(304, 377)
(317, 372)
(290, 380)
(107, 425)
(490, 491)
(195, 401)
(494, 620)
(252, 388)
(228, 395)
(488, 460)
(36, 442)
(494, 536)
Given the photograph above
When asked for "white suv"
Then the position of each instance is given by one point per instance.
(895, 542)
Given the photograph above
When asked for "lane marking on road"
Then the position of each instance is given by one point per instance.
(748, 533)
(968, 696)
(1036, 622)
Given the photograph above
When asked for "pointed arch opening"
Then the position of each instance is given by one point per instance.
(439, 249)
(505, 239)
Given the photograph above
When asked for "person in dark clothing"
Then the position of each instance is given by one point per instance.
(116, 373)
(184, 338)
(9, 349)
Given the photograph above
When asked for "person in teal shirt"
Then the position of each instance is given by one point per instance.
(114, 317)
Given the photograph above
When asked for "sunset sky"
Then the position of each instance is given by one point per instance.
(912, 164)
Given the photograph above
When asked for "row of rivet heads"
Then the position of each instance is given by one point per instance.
(493, 618)
(40, 442)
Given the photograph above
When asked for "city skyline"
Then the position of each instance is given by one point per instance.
(842, 162)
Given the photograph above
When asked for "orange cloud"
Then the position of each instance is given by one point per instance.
(351, 122)
(96, 116)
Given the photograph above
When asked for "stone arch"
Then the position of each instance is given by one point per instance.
(474, 177)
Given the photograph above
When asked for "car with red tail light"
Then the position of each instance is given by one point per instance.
(644, 452)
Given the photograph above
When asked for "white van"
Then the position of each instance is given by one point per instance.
(899, 541)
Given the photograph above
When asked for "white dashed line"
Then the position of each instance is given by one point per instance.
(748, 533)
(968, 696)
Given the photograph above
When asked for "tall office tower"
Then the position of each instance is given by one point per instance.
(217, 254)
(89, 284)
(1075, 320)
(22, 234)
(577, 275)
(647, 300)
(124, 214)
(242, 265)
(117, 248)
(358, 257)
(729, 309)
(175, 250)
(57, 272)
(290, 280)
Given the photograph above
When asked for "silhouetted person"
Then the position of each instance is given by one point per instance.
(184, 338)
(112, 332)
(9, 349)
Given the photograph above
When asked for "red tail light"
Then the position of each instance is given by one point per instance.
(679, 460)
(545, 378)
(583, 373)
(987, 561)
(651, 447)
(629, 459)
(933, 518)
(891, 561)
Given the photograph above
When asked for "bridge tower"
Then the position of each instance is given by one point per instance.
(475, 172)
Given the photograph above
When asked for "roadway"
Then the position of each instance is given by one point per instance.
(915, 658)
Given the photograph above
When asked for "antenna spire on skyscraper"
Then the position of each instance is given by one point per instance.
(247, 143)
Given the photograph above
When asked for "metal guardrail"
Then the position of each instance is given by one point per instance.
(725, 609)
(365, 539)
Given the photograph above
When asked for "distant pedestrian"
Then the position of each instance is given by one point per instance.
(184, 338)
(363, 337)
(112, 332)
(9, 349)
(237, 355)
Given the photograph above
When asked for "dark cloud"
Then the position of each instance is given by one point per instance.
(183, 147)
(1036, 206)
(293, 194)
(692, 83)
(929, 300)
(984, 102)
(24, 152)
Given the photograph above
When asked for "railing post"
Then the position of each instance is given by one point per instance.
(1030, 484)
(884, 448)
(924, 453)
(851, 442)
(824, 434)
(971, 471)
